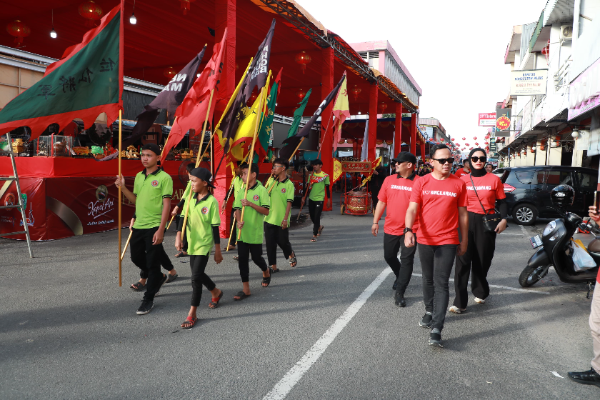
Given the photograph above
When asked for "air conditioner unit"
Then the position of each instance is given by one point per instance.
(566, 32)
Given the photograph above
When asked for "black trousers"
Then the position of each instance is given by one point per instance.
(245, 250)
(403, 269)
(275, 236)
(146, 257)
(315, 208)
(436, 265)
(475, 262)
(199, 278)
(165, 261)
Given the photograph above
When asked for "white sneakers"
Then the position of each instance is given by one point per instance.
(479, 301)
(456, 310)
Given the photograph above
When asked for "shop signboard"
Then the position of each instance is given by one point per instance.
(503, 121)
(487, 119)
(584, 92)
(528, 83)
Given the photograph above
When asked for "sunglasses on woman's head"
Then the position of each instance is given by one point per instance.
(444, 160)
(482, 159)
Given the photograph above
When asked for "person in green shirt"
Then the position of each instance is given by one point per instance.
(277, 223)
(202, 231)
(317, 187)
(152, 191)
(176, 211)
(256, 204)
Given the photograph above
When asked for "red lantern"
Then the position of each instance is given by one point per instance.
(91, 11)
(185, 5)
(474, 137)
(349, 141)
(356, 91)
(546, 51)
(476, 144)
(341, 141)
(389, 142)
(303, 59)
(170, 72)
(382, 107)
(466, 144)
(300, 94)
(442, 140)
(19, 30)
(379, 141)
(464, 138)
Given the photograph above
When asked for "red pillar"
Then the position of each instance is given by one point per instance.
(413, 134)
(225, 17)
(398, 130)
(327, 136)
(373, 92)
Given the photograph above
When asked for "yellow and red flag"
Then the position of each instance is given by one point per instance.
(337, 170)
(341, 111)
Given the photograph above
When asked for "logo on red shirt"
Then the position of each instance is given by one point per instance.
(255, 198)
(204, 210)
(155, 183)
(282, 190)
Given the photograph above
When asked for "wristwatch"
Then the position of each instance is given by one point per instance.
(408, 230)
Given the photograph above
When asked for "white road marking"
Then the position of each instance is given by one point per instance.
(285, 385)
(524, 230)
(505, 287)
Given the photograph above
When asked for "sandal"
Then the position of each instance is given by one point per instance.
(138, 286)
(171, 278)
(214, 302)
(240, 296)
(274, 271)
(189, 323)
(266, 281)
(236, 258)
(314, 239)
(181, 254)
(292, 260)
(320, 230)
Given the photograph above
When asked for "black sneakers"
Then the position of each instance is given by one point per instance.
(426, 320)
(164, 279)
(590, 377)
(435, 338)
(145, 307)
(395, 284)
(399, 300)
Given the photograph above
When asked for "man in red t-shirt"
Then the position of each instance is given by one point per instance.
(465, 170)
(395, 192)
(592, 377)
(439, 202)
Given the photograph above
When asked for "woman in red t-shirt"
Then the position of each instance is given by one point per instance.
(484, 190)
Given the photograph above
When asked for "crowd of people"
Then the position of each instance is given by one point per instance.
(259, 214)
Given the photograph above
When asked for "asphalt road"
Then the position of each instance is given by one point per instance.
(325, 329)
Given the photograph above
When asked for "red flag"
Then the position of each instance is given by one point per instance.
(191, 114)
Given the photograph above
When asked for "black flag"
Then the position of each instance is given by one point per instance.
(293, 142)
(256, 76)
(169, 98)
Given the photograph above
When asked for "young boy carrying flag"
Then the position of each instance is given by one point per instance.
(252, 227)
(202, 230)
(277, 223)
(152, 191)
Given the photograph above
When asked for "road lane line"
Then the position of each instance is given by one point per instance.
(524, 230)
(505, 287)
(285, 385)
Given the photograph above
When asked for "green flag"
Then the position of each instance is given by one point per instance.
(298, 115)
(87, 81)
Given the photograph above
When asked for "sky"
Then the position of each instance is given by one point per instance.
(453, 49)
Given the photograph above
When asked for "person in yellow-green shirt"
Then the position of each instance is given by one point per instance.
(202, 231)
(152, 191)
(318, 187)
(256, 205)
(237, 184)
(277, 223)
(177, 210)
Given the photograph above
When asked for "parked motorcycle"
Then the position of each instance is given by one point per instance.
(555, 247)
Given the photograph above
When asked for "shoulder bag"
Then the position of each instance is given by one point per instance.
(490, 221)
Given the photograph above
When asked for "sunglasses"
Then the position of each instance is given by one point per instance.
(481, 159)
(444, 160)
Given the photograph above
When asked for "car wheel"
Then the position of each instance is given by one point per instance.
(525, 214)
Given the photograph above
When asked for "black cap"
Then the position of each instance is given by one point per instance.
(204, 174)
(152, 147)
(405, 156)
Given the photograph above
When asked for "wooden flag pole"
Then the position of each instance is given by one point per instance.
(126, 245)
(324, 135)
(251, 155)
(169, 225)
(119, 199)
(198, 159)
(230, 233)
